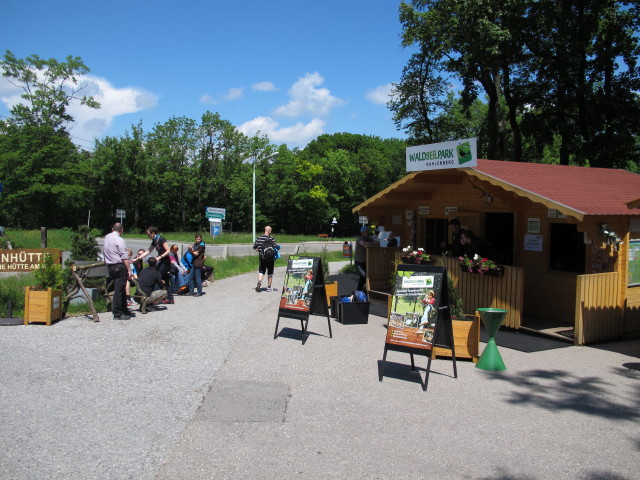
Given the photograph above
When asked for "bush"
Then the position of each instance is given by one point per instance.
(48, 274)
(83, 243)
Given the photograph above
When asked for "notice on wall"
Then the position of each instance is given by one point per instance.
(634, 263)
(533, 243)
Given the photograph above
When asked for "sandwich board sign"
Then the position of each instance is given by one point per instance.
(303, 293)
(420, 315)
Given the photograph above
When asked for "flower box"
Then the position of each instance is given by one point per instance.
(42, 306)
(494, 272)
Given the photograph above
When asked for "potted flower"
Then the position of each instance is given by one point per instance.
(480, 265)
(43, 302)
(416, 257)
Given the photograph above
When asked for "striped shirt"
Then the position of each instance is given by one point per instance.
(115, 249)
(261, 240)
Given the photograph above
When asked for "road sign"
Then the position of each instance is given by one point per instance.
(213, 212)
(121, 213)
(363, 220)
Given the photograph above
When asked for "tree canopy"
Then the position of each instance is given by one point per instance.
(554, 75)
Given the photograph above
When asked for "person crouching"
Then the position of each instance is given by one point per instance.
(150, 281)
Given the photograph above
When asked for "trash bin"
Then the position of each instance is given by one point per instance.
(351, 313)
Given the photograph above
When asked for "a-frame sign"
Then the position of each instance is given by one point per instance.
(420, 315)
(303, 293)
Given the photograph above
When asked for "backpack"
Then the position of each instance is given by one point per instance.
(268, 251)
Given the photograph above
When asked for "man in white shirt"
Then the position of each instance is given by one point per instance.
(116, 258)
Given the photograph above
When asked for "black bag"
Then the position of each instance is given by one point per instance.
(268, 251)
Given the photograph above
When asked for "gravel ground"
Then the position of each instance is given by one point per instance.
(109, 400)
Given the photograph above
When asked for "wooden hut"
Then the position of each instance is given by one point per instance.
(569, 238)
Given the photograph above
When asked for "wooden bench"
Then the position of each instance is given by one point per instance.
(323, 236)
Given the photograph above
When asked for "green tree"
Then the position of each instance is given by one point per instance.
(123, 178)
(49, 87)
(45, 177)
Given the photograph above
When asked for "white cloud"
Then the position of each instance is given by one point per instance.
(380, 95)
(89, 122)
(264, 87)
(297, 135)
(234, 93)
(307, 98)
(207, 99)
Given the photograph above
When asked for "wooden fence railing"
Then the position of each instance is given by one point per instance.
(598, 312)
(476, 291)
(483, 291)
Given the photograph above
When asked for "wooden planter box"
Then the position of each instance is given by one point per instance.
(466, 338)
(42, 306)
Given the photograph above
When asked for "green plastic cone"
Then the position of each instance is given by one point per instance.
(491, 359)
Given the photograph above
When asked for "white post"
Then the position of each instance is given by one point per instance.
(254, 200)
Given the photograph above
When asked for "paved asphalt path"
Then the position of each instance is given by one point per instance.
(239, 250)
(203, 391)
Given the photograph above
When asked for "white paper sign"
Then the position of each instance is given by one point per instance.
(533, 243)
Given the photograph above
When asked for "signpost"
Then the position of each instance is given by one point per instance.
(420, 315)
(213, 212)
(303, 293)
(215, 216)
(121, 214)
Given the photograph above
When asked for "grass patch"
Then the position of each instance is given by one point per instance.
(60, 238)
(12, 288)
(233, 266)
(230, 238)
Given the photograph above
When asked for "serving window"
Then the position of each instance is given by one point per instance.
(566, 248)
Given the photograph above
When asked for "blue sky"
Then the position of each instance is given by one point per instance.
(293, 69)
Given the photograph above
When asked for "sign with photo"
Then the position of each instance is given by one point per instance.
(420, 315)
(415, 306)
(299, 281)
(303, 293)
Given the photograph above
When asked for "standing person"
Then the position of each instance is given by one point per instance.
(360, 256)
(116, 258)
(266, 247)
(197, 251)
(164, 263)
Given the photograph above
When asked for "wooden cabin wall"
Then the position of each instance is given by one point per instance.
(548, 293)
(470, 204)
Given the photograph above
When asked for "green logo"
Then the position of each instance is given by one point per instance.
(464, 152)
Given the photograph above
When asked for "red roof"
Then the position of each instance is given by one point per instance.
(590, 191)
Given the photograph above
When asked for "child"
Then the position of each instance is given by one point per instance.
(429, 304)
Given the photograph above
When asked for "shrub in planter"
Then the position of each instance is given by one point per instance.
(43, 302)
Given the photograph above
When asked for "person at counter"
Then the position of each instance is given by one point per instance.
(472, 246)
(360, 256)
(456, 247)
